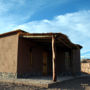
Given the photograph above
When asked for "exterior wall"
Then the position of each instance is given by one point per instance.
(61, 68)
(24, 66)
(76, 61)
(8, 54)
(49, 62)
(63, 63)
(85, 67)
(60, 61)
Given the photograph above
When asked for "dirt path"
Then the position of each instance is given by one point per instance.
(76, 84)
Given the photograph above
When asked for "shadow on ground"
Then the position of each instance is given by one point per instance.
(82, 83)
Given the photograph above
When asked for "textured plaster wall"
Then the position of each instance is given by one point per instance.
(60, 61)
(85, 67)
(8, 53)
(23, 64)
(76, 60)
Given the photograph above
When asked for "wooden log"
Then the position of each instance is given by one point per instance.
(54, 59)
(63, 42)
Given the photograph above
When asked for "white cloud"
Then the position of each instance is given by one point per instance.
(15, 12)
(75, 25)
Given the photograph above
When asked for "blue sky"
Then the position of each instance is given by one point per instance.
(71, 17)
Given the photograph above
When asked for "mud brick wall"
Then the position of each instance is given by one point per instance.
(76, 67)
(85, 67)
(8, 53)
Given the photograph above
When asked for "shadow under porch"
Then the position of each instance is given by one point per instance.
(35, 58)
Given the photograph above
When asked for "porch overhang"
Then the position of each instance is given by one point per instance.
(47, 37)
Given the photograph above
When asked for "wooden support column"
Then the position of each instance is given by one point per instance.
(53, 59)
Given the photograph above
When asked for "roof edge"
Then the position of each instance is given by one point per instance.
(13, 32)
(79, 46)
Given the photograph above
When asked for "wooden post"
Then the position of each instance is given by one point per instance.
(53, 59)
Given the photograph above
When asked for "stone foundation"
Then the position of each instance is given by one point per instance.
(18, 75)
(28, 75)
(7, 75)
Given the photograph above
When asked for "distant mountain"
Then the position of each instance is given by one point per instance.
(85, 55)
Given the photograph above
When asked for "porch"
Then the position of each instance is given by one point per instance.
(45, 82)
(57, 53)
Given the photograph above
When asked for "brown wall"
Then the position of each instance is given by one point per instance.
(74, 64)
(76, 60)
(85, 67)
(8, 53)
(24, 65)
(60, 61)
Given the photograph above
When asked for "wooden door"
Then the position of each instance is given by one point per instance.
(44, 63)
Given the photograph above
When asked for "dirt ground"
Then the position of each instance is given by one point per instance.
(82, 83)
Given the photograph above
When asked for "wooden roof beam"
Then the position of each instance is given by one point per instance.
(37, 36)
(64, 43)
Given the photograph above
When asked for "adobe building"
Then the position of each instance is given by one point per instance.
(25, 54)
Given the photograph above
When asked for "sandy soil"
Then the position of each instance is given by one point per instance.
(82, 83)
